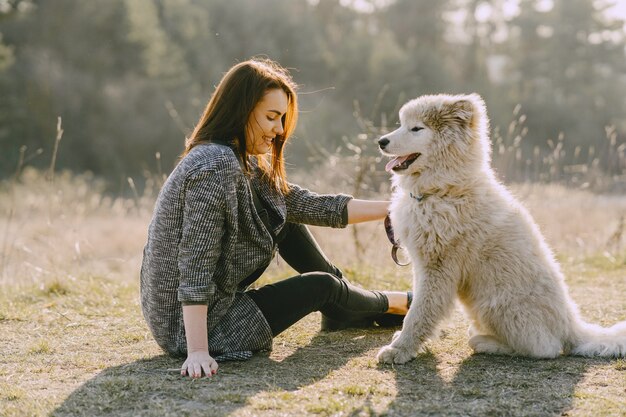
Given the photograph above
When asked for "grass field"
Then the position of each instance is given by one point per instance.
(74, 342)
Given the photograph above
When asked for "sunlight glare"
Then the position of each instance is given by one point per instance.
(510, 9)
(618, 10)
(483, 12)
(544, 6)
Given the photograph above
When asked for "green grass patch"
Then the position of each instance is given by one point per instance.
(118, 370)
(11, 392)
(55, 288)
(41, 347)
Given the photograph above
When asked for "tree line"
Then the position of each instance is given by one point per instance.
(129, 78)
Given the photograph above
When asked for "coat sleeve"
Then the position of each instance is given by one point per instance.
(304, 206)
(202, 232)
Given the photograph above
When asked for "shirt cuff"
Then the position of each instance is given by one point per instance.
(196, 294)
(344, 215)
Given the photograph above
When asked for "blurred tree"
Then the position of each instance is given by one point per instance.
(70, 61)
(567, 69)
(7, 58)
(9, 10)
(420, 28)
(478, 39)
(130, 77)
(163, 60)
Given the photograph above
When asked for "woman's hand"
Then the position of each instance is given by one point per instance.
(197, 363)
(198, 358)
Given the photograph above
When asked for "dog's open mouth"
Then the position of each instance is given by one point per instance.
(400, 163)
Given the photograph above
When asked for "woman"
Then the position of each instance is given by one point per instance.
(219, 219)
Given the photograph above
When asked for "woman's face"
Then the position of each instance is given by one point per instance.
(265, 122)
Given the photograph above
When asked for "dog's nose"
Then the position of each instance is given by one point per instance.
(382, 142)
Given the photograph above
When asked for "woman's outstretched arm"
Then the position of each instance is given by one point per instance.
(366, 210)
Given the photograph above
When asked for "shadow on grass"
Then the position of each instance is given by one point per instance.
(482, 385)
(488, 385)
(146, 387)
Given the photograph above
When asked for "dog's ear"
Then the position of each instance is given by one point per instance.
(464, 108)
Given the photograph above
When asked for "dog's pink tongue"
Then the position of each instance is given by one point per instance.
(395, 162)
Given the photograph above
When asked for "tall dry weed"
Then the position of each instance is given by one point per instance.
(67, 229)
(72, 227)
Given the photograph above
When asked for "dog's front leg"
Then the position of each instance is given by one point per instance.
(434, 295)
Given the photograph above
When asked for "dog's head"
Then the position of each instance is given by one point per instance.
(437, 131)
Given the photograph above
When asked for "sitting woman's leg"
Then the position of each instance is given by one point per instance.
(285, 302)
(300, 250)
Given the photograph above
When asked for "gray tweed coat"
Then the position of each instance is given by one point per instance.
(206, 237)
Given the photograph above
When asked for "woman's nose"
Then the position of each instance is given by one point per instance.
(279, 128)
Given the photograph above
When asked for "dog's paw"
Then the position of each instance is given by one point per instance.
(391, 354)
(489, 344)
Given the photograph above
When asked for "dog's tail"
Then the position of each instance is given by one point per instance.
(593, 340)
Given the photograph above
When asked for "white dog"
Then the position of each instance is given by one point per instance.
(467, 236)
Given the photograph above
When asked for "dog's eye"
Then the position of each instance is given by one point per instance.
(416, 129)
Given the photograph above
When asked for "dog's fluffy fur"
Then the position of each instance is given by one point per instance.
(467, 236)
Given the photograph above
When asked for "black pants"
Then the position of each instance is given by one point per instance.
(320, 287)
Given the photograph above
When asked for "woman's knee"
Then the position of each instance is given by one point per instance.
(327, 285)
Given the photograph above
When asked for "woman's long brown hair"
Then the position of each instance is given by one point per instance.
(225, 117)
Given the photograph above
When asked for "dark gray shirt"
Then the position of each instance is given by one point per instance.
(206, 237)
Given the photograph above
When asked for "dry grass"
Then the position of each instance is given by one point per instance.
(75, 343)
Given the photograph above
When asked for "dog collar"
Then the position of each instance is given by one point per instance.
(418, 197)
